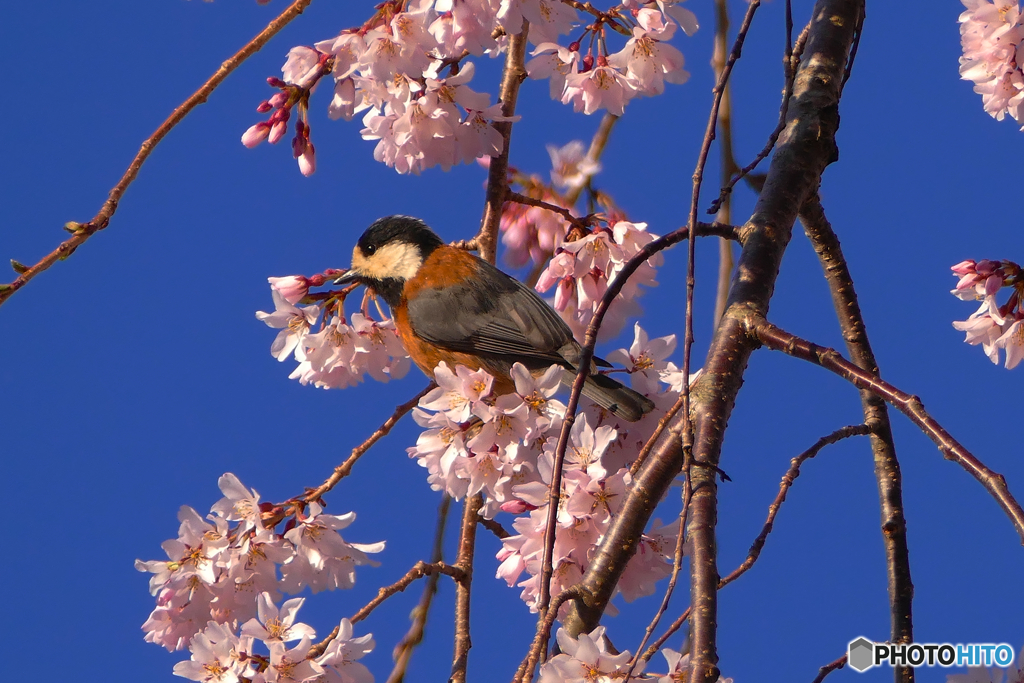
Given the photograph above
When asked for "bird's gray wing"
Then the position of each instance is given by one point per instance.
(495, 315)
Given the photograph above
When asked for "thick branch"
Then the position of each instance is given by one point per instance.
(497, 175)
(911, 406)
(464, 562)
(806, 146)
(587, 354)
(887, 467)
(84, 231)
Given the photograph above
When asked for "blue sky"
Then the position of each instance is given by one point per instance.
(137, 374)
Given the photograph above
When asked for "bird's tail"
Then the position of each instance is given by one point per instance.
(613, 396)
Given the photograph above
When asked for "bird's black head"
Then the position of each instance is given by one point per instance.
(389, 253)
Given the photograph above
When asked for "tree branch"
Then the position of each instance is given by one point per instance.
(883, 447)
(83, 231)
(755, 548)
(497, 175)
(403, 651)
(911, 406)
(464, 562)
(805, 148)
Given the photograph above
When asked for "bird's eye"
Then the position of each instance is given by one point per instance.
(370, 249)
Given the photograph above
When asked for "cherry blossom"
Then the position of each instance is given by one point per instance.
(571, 166)
(585, 659)
(995, 327)
(583, 268)
(323, 560)
(992, 35)
(215, 656)
(339, 660)
(277, 624)
(293, 322)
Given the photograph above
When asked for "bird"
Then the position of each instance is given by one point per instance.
(451, 305)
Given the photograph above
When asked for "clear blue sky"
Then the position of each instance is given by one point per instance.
(136, 372)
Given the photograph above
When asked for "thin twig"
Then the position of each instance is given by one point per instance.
(703, 562)
(911, 406)
(594, 152)
(540, 640)
(789, 63)
(494, 527)
(279, 512)
(418, 571)
(755, 548)
(497, 175)
(787, 481)
(83, 231)
(829, 668)
(883, 447)
(727, 164)
(540, 203)
(464, 562)
(587, 354)
(677, 563)
(403, 651)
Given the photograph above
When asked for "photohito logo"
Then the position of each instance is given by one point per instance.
(862, 654)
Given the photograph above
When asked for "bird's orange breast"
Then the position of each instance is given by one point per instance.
(445, 267)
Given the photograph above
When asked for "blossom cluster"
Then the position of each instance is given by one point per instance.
(407, 69)
(533, 233)
(216, 591)
(996, 327)
(503, 446)
(342, 351)
(582, 269)
(587, 658)
(228, 653)
(992, 36)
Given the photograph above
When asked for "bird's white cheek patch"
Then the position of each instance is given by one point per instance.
(395, 260)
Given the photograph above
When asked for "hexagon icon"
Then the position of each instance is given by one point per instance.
(858, 654)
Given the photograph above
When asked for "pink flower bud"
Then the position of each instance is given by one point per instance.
(963, 267)
(588, 64)
(277, 131)
(984, 267)
(256, 134)
(264, 107)
(278, 100)
(275, 82)
(517, 507)
(307, 161)
(292, 287)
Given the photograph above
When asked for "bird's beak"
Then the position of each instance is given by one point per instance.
(350, 276)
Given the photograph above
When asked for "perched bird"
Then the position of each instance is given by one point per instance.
(452, 306)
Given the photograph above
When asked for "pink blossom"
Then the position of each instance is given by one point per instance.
(1012, 341)
(571, 167)
(323, 560)
(984, 327)
(991, 36)
(602, 87)
(293, 322)
(339, 660)
(301, 65)
(554, 62)
(292, 287)
(277, 624)
(585, 659)
(648, 62)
